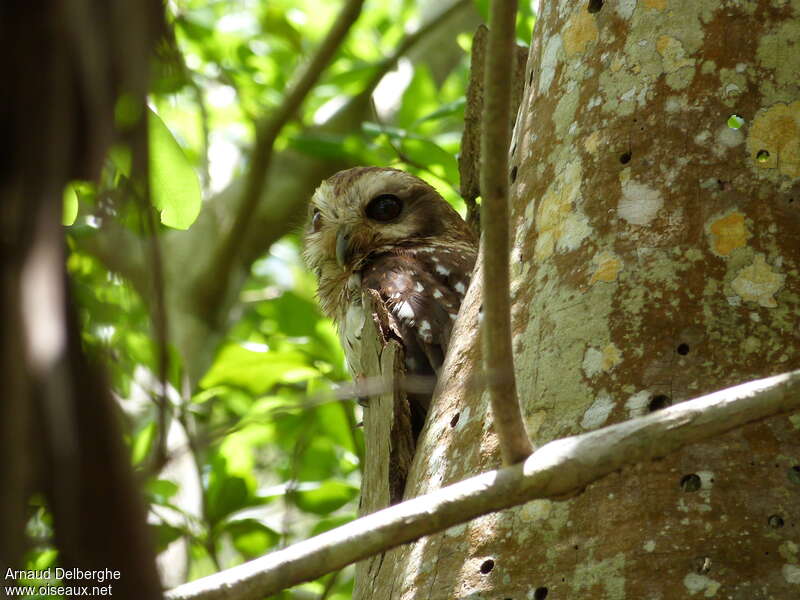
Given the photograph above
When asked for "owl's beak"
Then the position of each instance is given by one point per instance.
(342, 247)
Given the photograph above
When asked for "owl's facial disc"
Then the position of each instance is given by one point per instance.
(343, 249)
(382, 210)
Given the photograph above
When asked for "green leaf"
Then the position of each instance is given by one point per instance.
(318, 460)
(326, 498)
(294, 315)
(70, 205)
(251, 537)
(419, 98)
(226, 495)
(121, 158)
(483, 9)
(142, 442)
(161, 490)
(257, 371)
(42, 559)
(165, 535)
(327, 146)
(127, 111)
(445, 110)
(334, 423)
(174, 184)
(431, 155)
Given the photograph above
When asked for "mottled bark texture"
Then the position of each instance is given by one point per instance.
(656, 257)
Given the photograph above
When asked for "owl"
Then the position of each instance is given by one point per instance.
(388, 234)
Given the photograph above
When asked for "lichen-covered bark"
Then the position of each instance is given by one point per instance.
(656, 258)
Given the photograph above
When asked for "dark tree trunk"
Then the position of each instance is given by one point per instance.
(64, 63)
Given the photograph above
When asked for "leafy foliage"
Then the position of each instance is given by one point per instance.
(265, 450)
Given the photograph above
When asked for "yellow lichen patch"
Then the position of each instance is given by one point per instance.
(728, 233)
(554, 212)
(655, 4)
(607, 267)
(592, 142)
(611, 357)
(758, 283)
(773, 140)
(599, 361)
(673, 55)
(579, 32)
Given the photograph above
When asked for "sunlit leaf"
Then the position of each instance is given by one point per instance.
(420, 97)
(42, 559)
(142, 442)
(251, 537)
(174, 184)
(446, 110)
(161, 490)
(70, 205)
(256, 371)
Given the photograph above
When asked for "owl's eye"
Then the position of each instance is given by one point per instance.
(384, 207)
(316, 221)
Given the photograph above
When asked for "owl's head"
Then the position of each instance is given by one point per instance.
(370, 209)
(367, 210)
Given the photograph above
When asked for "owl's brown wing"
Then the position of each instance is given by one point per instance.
(422, 291)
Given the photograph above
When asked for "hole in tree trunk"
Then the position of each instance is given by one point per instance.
(658, 402)
(691, 482)
(594, 6)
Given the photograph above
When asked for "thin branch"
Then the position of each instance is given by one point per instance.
(266, 133)
(515, 445)
(160, 327)
(329, 585)
(557, 470)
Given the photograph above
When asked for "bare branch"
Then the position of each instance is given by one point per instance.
(557, 470)
(515, 445)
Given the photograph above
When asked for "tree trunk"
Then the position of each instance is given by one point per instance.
(66, 64)
(656, 258)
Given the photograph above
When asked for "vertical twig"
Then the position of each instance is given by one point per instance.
(499, 359)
